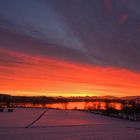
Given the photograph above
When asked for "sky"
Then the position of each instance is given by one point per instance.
(70, 48)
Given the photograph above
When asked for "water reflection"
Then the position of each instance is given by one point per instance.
(83, 105)
(75, 105)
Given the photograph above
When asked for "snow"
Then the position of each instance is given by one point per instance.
(18, 118)
(64, 125)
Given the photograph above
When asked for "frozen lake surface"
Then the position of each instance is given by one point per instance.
(43, 124)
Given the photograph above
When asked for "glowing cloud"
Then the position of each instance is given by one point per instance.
(44, 76)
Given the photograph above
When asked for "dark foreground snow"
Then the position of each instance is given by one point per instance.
(64, 125)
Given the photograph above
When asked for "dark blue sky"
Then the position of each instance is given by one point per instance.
(98, 32)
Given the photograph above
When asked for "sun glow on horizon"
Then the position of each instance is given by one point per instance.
(49, 77)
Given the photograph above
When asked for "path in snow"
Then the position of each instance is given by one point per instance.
(36, 119)
(21, 117)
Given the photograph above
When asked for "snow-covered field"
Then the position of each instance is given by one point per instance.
(36, 124)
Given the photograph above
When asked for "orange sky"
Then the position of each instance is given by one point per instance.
(87, 48)
(45, 76)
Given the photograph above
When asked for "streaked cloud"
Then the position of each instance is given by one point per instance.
(45, 76)
(37, 37)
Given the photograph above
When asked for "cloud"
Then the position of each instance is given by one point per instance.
(8, 58)
(76, 31)
(39, 20)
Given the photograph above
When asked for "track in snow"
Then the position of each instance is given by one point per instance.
(28, 126)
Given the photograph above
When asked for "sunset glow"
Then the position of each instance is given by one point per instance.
(70, 69)
(45, 76)
(48, 48)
